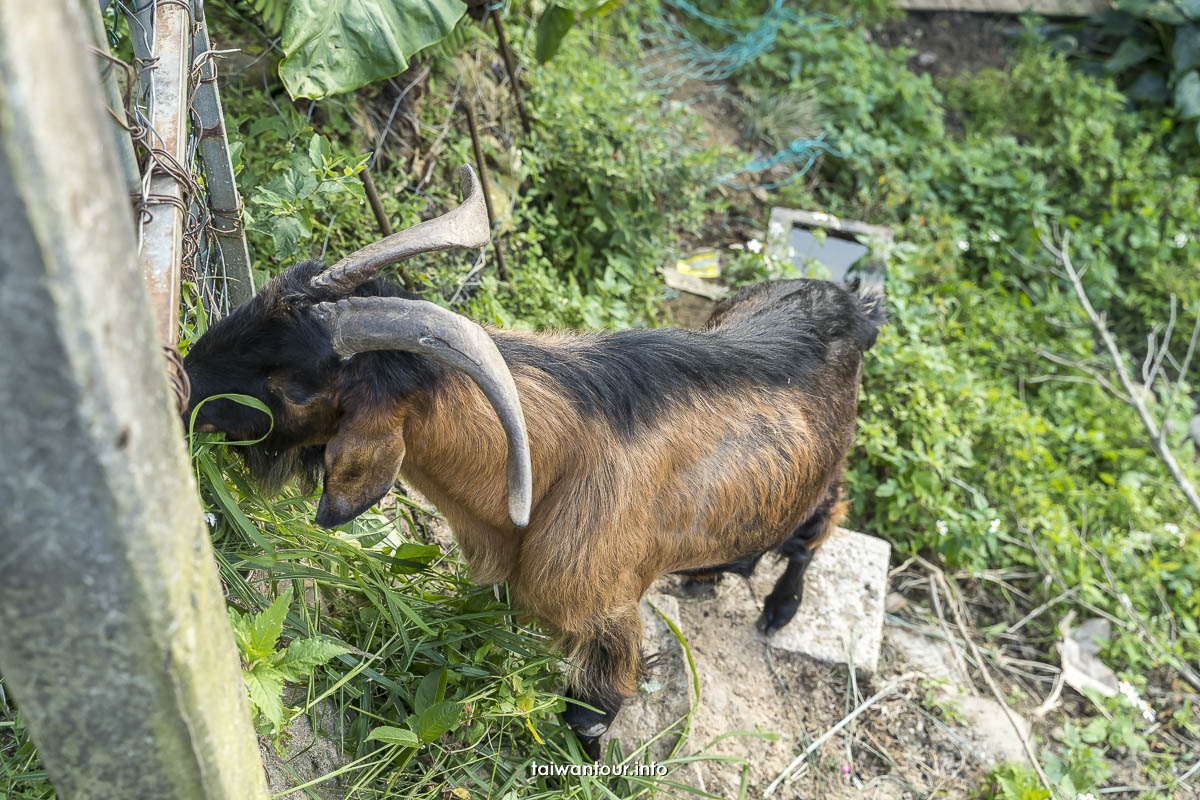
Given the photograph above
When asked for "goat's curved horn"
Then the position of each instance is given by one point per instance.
(466, 226)
(358, 324)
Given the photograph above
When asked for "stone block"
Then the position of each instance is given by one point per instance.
(841, 617)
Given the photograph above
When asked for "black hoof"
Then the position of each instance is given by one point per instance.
(590, 745)
(777, 611)
(588, 725)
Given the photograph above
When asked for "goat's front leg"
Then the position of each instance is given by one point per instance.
(784, 600)
(608, 654)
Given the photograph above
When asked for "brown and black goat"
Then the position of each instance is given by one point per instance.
(577, 467)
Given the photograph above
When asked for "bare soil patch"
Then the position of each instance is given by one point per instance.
(948, 43)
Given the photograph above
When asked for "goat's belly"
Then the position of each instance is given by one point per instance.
(748, 480)
(723, 545)
(726, 521)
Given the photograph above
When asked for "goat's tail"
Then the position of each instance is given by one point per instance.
(868, 291)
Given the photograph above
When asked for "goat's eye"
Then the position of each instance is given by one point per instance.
(294, 391)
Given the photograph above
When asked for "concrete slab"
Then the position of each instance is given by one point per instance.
(841, 617)
(1050, 8)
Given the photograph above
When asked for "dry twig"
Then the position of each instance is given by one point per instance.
(961, 617)
(1134, 395)
(891, 687)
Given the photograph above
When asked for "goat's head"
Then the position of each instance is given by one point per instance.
(308, 346)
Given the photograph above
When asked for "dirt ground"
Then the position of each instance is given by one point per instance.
(758, 707)
(952, 43)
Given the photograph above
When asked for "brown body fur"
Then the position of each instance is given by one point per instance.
(721, 478)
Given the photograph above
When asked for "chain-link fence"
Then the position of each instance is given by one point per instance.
(169, 130)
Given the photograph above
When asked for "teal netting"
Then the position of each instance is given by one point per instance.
(679, 56)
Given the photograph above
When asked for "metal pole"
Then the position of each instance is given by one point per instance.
(511, 68)
(501, 267)
(161, 34)
(223, 199)
(114, 639)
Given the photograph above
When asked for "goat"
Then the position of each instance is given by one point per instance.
(605, 460)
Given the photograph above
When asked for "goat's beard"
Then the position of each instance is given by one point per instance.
(272, 469)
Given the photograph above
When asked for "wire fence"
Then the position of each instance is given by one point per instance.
(170, 132)
(674, 56)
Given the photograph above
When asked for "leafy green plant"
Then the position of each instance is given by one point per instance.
(431, 717)
(1012, 782)
(306, 185)
(333, 46)
(265, 668)
(1153, 48)
(615, 173)
(301, 180)
(1119, 732)
(1077, 766)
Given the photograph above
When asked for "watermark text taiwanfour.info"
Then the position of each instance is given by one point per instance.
(598, 770)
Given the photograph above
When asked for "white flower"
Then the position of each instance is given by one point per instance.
(1085, 796)
(1135, 699)
(1171, 528)
(1181, 239)
(942, 527)
(993, 236)
(775, 229)
(820, 216)
(211, 519)
(562, 301)
(754, 246)
(791, 252)
(993, 526)
(964, 245)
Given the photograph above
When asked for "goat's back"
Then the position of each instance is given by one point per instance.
(821, 306)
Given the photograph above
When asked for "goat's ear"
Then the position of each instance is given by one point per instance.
(362, 462)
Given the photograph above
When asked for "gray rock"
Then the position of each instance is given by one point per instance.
(841, 618)
(986, 727)
(308, 754)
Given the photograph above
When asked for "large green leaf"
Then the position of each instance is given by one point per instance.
(1187, 95)
(333, 46)
(267, 625)
(390, 735)
(266, 692)
(436, 720)
(1150, 87)
(552, 26)
(1130, 52)
(1185, 52)
(430, 690)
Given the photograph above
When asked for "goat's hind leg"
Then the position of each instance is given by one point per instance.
(784, 600)
(610, 665)
(702, 582)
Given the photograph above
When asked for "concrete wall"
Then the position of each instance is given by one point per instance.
(113, 635)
